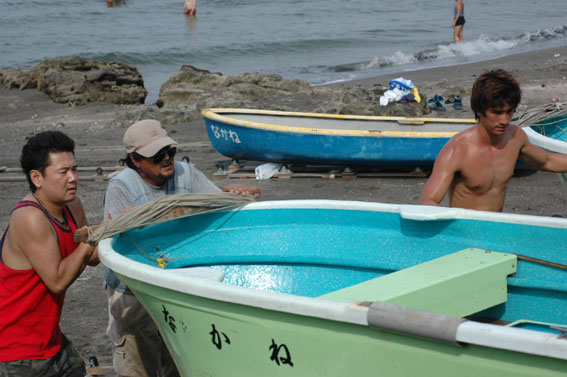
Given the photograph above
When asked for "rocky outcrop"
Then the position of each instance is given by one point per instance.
(193, 88)
(78, 81)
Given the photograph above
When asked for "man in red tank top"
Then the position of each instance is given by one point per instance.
(39, 260)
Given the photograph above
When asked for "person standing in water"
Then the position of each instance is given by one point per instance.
(190, 7)
(459, 21)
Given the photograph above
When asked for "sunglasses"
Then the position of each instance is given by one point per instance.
(158, 157)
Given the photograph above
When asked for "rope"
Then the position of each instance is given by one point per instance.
(540, 115)
(164, 209)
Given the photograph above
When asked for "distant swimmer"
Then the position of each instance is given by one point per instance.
(117, 3)
(190, 7)
(459, 21)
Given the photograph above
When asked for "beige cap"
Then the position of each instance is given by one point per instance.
(146, 137)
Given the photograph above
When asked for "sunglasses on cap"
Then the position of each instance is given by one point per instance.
(159, 157)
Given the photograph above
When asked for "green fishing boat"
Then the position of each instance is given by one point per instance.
(335, 288)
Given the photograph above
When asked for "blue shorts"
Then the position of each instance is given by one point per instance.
(460, 21)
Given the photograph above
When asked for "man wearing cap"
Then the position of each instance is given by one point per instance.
(151, 173)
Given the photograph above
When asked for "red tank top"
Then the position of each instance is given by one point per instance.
(29, 311)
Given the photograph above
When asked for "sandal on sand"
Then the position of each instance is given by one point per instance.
(433, 101)
(436, 103)
(457, 102)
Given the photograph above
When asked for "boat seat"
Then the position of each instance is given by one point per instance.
(457, 284)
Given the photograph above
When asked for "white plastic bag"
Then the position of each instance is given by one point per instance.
(266, 171)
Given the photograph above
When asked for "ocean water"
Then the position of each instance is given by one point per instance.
(314, 40)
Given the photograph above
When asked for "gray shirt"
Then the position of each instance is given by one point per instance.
(117, 197)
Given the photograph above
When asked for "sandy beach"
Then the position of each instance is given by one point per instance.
(542, 75)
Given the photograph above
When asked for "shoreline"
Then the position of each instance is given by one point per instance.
(525, 66)
(542, 75)
(98, 137)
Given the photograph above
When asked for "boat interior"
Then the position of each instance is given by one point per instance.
(443, 266)
(351, 123)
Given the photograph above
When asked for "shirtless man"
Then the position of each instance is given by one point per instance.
(476, 164)
(39, 260)
(190, 7)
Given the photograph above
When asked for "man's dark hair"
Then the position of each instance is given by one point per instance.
(494, 90)
(35, 153)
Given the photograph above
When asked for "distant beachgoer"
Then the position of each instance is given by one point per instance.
(116, 3)
(190, 7)
(459, 21)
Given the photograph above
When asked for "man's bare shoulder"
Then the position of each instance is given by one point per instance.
(464, 135)
(455, 153)
(518, 133)
(28, 226)
(29, 220)
(461, 140)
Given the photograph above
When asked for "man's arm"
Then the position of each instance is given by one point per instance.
(201, 184)
(32, 234)
(78, 211)
(538, 158)
(442, 176)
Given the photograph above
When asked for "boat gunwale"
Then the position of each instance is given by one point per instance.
(545, 142)
(216, 114)
(206, 282)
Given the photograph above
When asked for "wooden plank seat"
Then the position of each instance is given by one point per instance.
(457, 284)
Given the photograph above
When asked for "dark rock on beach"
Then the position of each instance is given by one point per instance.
(199, 89)
(78, 81)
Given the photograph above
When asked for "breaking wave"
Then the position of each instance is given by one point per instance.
(484, 45)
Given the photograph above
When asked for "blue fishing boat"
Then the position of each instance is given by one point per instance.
(340, 288)
(329, 139)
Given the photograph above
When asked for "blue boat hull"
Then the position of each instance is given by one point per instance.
(318, 146)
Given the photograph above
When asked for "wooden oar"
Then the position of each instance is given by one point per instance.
(82, 234)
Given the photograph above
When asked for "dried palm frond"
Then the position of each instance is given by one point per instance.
(160, 210)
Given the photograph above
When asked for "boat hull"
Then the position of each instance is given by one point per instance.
(315, 139)
(216, 338)
(243, 292)
(550, 134)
